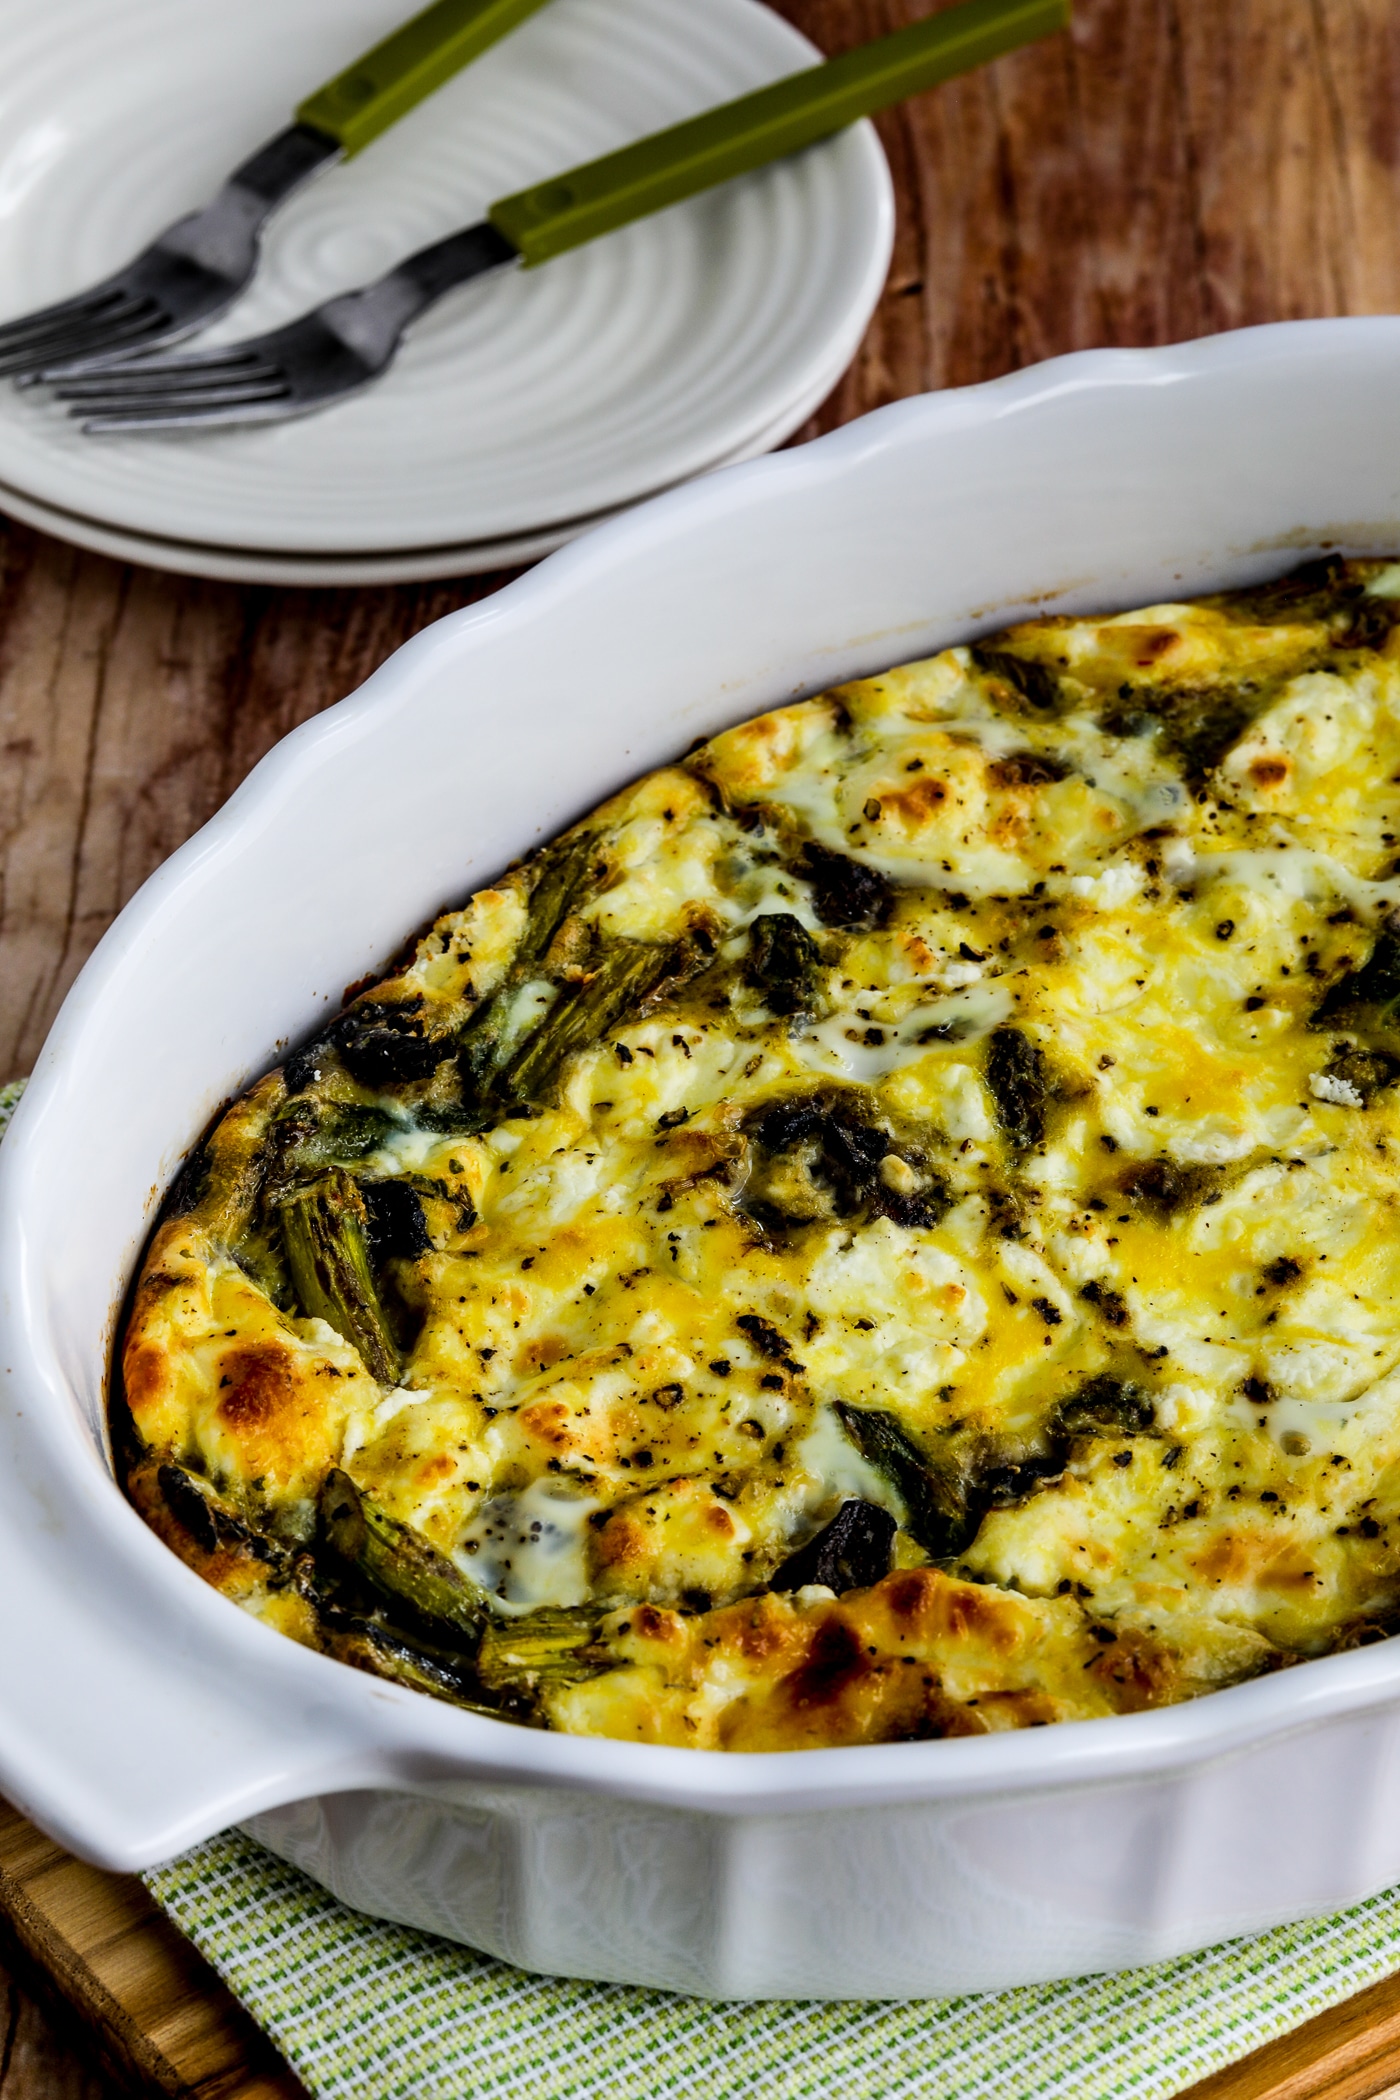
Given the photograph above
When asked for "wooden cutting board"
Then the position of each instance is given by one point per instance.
(162, 2022)
(158, 2017)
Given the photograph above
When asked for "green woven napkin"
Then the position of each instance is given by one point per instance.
(364, 2011)
(376, 2012)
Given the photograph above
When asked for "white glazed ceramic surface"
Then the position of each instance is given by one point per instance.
(528, 400)
(233, 565)
(139, 1710)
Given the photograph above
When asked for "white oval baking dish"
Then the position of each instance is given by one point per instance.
(140, 1711)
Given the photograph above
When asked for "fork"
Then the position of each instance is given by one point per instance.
(193, 271)
(340, 347)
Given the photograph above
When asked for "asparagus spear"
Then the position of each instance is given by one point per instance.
(211, 1521)
(936, 1502)
(384, 1653)
(945, 1507)
(555, 1645)
(325, 1233)
(563, 869)
(624, 975)
(483, 1041)
(307, 1137)
(493, 1062)
(399, 1564)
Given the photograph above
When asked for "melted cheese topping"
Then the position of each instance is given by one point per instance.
(1020, 1081)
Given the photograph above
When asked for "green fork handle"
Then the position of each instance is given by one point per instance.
(602, 195)
(398, 73)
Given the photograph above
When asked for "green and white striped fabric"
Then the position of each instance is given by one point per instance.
(375, 2012)
(365, 2011)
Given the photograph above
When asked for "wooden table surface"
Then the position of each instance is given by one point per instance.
(1171, 168)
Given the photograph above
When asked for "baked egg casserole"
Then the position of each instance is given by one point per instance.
(886, 1229)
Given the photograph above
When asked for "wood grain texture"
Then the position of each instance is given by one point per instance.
(153, 2015)
(1350, 2053)
(1171, 168)
(38, 2055)
(131, 705)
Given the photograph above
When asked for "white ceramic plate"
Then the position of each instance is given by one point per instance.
(412, 565)
(521, 403)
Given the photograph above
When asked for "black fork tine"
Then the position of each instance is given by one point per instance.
(83, 313)
(86, 306)
(122, 364)
(108, 414)
(109, 363)
(116, 313)
(183, 416)
(182, 280)
(205, 397)
(231, 357)
(139, 382)
(102, 339)
(324, 355)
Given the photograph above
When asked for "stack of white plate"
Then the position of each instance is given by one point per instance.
(524, 408)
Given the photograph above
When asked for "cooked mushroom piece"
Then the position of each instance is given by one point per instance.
(853, 1551)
